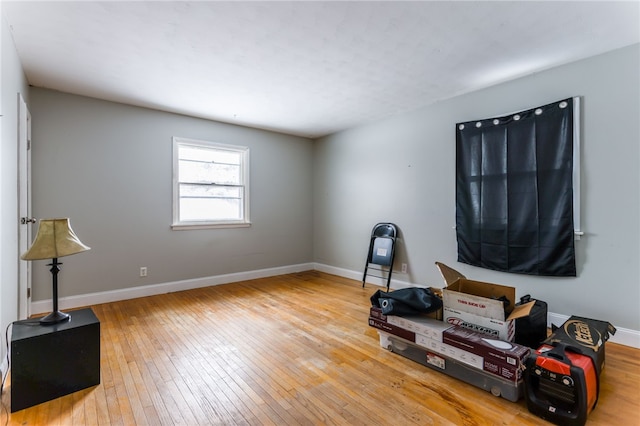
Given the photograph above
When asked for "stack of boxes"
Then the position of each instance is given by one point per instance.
(472, 339)
(473, 343)
(477, 359)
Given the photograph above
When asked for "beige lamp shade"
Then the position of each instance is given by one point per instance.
(55, 239)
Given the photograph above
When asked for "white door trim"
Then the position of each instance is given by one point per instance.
(24, 206)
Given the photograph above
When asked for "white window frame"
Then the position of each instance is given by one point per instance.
(244, 175)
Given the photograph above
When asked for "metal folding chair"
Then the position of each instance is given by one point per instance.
(381, 252)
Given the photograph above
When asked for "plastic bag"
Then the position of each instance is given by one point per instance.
(406, 301)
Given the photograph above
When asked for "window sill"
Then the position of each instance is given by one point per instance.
(196, 225)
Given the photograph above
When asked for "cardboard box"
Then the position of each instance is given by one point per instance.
(507, 389)
(429, 334)
(406, 327)
(449, 274)
(586, 334)
(468, 301)
(376, 312)
(428, 327)
(424, 332)
(437, 315)
(499, 357)
(453, 352)
(392, 329)
(503, 330)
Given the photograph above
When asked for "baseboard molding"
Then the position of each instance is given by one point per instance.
(355, 275)
(43, 306)
(623, 336)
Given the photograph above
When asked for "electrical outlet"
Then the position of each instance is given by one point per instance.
(143, 271)
(404, 268)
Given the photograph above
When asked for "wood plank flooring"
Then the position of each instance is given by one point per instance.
(288, 350)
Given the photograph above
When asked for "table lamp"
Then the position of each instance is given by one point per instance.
(55, 239)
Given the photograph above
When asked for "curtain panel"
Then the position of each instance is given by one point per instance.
(514, 191)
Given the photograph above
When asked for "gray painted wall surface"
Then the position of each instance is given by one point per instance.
(402, 170)
(13, 82)
(108, 167)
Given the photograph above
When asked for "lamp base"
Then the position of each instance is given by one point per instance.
(54, 318)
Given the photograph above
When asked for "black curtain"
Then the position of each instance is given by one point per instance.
(514, 191)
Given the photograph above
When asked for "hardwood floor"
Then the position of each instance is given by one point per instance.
(287, 350)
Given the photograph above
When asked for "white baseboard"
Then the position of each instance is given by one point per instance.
(355, 275)
(623, 336)
(43, 306)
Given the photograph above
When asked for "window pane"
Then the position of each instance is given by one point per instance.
(210, 209)
(203, 202)
(207, 191)
(199, 172)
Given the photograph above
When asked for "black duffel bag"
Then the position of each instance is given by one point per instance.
(406, 301)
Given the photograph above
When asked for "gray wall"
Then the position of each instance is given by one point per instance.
(12, 82)
(403, 170)
(108, 167)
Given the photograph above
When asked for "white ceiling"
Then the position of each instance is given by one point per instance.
(303, 68)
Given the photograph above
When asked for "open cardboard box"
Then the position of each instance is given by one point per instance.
(476, 305)
(449, 274)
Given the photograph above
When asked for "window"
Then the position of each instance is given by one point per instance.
(210, 184)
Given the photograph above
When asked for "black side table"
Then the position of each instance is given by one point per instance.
(49, 361)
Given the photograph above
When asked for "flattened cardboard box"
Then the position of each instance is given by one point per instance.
(392, 329)
(376, 312)
(507, 389)
(471, 300)
(424, 332)
(407, 327)
(453, 352)
(428, 327)
(500, 357)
